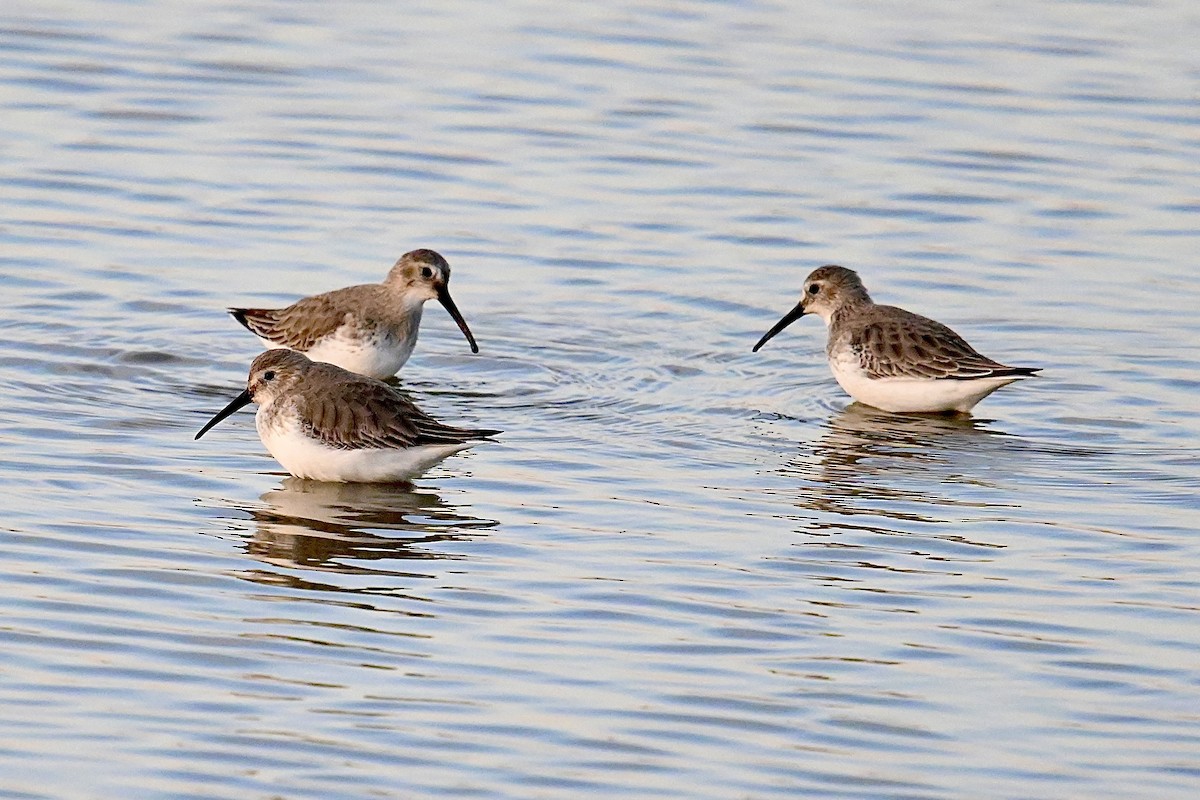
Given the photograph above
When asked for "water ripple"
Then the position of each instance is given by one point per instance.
(685, 570)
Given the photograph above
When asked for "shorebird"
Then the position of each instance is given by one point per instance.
(370, 329)
(325, 423)
(890, 358)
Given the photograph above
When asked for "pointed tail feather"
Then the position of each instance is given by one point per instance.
(240, 315)
(1017, 372)
(999, 372)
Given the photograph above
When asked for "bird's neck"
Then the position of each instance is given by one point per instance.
(849, 307)
(407, 299)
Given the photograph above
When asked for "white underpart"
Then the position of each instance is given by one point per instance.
(378, 357)
(305, 457)
(912, 395)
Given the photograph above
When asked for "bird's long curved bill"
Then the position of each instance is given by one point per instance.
(788, 318)
(241, 401)
(448, 304)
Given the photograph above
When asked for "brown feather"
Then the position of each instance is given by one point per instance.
(893, 343)
(371, 414)
(305, 322)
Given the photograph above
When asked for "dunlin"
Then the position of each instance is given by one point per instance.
(890, 358)
(370, 329)
(328, 424)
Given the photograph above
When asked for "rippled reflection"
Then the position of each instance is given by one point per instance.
(628, 193)
(351, 528)
(911, 468)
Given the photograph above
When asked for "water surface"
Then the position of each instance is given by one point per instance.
(685, 570)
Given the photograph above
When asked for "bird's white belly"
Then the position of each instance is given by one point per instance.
(377, 357)
(307, 458)
(913, 395)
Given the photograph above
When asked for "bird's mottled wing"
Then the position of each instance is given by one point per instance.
(366, 414)
(300, 325)
(900, 344)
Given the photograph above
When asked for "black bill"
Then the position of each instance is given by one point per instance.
(448, 304)
(241, 401)
(788, 318)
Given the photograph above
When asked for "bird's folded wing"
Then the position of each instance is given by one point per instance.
(917, 347)
(374, 415)
(300, 325)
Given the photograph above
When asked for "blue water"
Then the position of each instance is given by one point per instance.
(685, 570)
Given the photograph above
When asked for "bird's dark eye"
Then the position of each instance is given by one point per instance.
(269, 375)
(426, 273)
(814, 288)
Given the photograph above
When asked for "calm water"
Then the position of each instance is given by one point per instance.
(685, 570)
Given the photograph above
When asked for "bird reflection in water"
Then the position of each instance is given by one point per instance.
(353, 529)
(906, 468)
